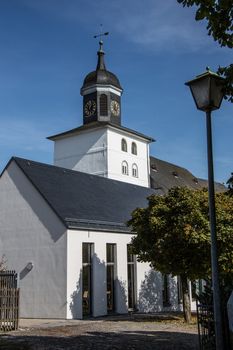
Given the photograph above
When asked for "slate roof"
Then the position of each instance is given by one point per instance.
(85, 201)
(95, 125)
(166, 175)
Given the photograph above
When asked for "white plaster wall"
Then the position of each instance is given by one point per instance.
(149, 284)
(31, 232)
(116, 156)
(99, 152)
(75, 239)
(192, 301)
(149, 289)
(85, 152)
(173, 295)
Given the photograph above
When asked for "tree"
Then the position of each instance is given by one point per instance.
(173, 235)
(230, 185)
(219, 17)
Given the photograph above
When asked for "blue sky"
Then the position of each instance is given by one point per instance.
(154, 46)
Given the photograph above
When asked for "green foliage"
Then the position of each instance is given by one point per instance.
(224, 229)
(230, 185)
(173, 233)
(219, 17)
(227, 73)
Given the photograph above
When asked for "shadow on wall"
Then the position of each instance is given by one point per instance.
(83, 160)
(26, 270)
(150, 293)
(175, 306)
(76, 296)
(121, 295)
(100, 298)
(99, 292)
(41, 209)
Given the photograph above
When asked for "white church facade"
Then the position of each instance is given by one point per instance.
(63, 227)
(71, 261)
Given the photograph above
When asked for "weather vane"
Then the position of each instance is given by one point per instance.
(101, 33)
(100, 36)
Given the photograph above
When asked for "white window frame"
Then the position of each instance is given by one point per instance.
(134, 170)
(124, 146)
(134, 149)
(124, 168)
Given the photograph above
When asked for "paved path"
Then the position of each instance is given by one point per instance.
(116, 333)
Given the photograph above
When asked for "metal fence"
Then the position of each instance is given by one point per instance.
(205, 319)
(206, 331)
(9, 301)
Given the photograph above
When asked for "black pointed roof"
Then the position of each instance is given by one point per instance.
(101, 76)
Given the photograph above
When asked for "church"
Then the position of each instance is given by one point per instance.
(64, 226)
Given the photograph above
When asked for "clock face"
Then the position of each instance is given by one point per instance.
(115, 108)
(90, 108)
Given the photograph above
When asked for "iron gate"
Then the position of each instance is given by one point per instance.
(206, 331)
(9, 301)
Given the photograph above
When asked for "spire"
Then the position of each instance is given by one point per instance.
(100, 53)
(100, 76)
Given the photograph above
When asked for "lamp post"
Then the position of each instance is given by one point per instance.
(207, 92)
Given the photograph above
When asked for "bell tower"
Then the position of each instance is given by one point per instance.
(101, 93)
(101, 145)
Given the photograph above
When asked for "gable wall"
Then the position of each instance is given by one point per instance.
(31, 232)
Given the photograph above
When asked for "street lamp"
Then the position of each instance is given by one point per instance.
(207, 91)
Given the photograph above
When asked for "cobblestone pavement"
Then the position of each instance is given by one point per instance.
(127, 333)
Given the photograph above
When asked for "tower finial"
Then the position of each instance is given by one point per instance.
(100, 53)
(100, 35)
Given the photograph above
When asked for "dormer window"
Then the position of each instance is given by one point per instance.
(135, 170)
(195, 180)
(154, 168)
(123, 145)
(103, 105)
(134, 148)
(175, 174)
(124, 168)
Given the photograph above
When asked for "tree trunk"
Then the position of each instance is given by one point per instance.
(186, 299)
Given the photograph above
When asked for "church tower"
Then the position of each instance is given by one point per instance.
(101, 93)
(102, 146)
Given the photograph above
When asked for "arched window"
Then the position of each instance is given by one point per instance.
(134, 170)
(103, 105)
(134, 148)
(124, 168)
(123, 145)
